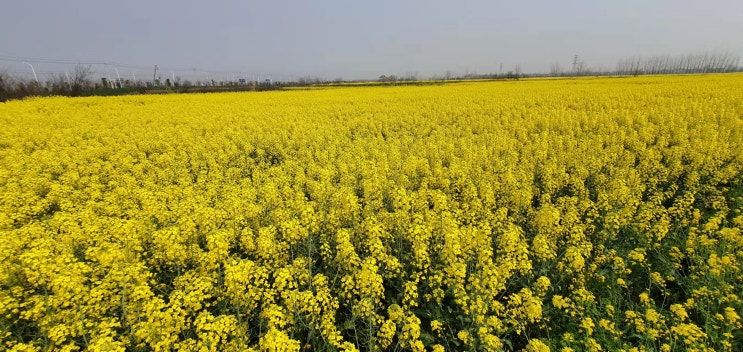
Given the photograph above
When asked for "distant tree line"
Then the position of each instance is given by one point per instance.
(451, 76)
(657, 65)
(80, 82)
(76, 83)
(68, 84)
(311, 80)
(691, 63)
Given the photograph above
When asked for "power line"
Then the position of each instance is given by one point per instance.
(67, 61)
(106, 63)
(73, 62)
(189, 72)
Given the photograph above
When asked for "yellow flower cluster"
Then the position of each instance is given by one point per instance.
(540, 215)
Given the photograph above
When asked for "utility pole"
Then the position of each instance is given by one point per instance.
(118, 77)
(154, 75)
(33, 71)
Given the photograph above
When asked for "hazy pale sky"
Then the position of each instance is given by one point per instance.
(355, 39)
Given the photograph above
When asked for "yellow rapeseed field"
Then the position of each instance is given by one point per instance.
(538, 215)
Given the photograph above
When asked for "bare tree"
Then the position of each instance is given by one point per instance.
(6, 85)
(59, 85)
(581, 69)
(80, 79)
(556, 69)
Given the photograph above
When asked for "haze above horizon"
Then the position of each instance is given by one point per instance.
(333, 38)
